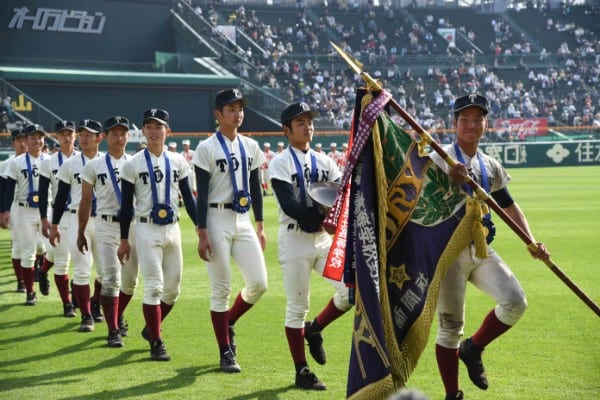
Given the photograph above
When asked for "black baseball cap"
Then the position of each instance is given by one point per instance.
(90, 125)
(295, 110)
(471, 100)
(161, 116)
(229, 96)
(34, 128)
(15, 133)
(113, 122)
(64, 126)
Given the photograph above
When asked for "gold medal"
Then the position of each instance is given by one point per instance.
(35, 198)
(162, 213)
(243, 201)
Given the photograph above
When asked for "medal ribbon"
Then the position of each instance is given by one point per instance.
(485, 183)
(153, 179)
(29, 173)
(113, 178)
(93, 192)
(60, 163)
(230, 163)
(300, 174)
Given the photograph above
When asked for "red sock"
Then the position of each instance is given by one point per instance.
(295, 338)
(238, 309)
(62, 284)
(329, 314)
(82, 295)
(152, 317)
(97, 290)
(489, 330)
(46, 265)
(16, 264)
(165, 309)
(110, 306)
(124, 300)
(28, 276)
(447, 361)
(220, 323)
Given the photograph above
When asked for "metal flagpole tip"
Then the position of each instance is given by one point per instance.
(323, 195)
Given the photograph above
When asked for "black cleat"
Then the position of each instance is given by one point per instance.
(96, 312)
(315, 343)
(471, 356)
(308, 380)
(158, 352)
(232, 340)
(87, 323)
(228, 363)
(21, 287)
(68, 310)
(455, 396)
(31, 299)
(123, 326)
(44, 283)
(114, 339)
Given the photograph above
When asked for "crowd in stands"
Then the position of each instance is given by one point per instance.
(297, 62)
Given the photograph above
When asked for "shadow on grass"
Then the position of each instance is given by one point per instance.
(267, 394)
(58, 376)
(184, 377)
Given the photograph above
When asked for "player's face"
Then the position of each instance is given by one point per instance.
(301, 133)
(231, 116)
(66, 138)
(116, 138)
(155, 133)
(20, 145)
(470, 126)
(88, 141)
(35, 142)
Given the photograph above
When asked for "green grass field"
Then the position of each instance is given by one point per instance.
(553, 353)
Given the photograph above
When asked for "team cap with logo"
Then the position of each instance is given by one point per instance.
(295, 110)
(90, 125)
(158, 115)
(34, 128)
(471, 100)
(229, 96)
(113, 122)
(15, 133)
(64, 126)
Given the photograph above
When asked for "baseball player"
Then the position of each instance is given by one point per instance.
(490, 274)
(228, 164)
(101, 180)
(303, 243)
(65, 134)
(69, 186)
(22, 178)
(188, 154)
(319, 148)
(19, 142)
(172, 146)
(264, 168)
(157, 178)
(334, 154)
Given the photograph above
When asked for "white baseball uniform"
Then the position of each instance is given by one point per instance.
(158, 246)
(29, 224)
(16, 246)
(58, 254)
(491, 275)
(188, 155)
(114, 276)
(70, 173)
(231, 234)
(299, 251)
(264, 169)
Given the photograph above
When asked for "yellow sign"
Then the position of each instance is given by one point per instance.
(21, 104)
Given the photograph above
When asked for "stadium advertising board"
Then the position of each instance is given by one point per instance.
(520, 128)
(545, 154)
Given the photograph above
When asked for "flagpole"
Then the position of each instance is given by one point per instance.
(373, 85)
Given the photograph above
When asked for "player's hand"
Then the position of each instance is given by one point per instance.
(54, 235)
(82, 244)
(458, 173)
(260, 233)
(204, 245)
(124, 251)
(46, 228)
(541, 253)
(5, 220)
